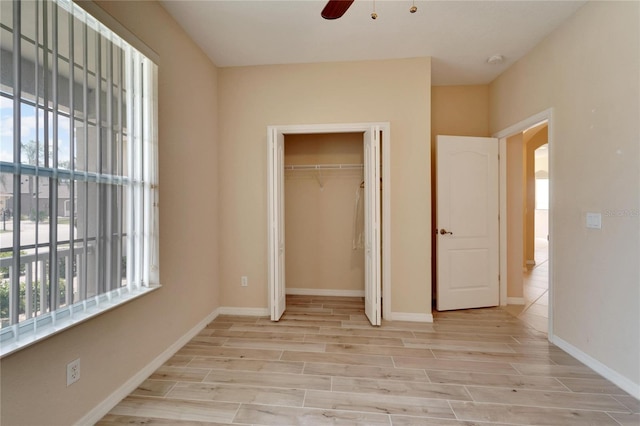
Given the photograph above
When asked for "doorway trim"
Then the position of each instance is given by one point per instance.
(503, 135)
(385, 128)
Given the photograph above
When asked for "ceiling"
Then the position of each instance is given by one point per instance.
(458, 35)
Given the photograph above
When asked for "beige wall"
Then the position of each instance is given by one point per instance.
(251, 98)
(460, 110)
(116, 345)
(587, 71)
(457, 111)
(515, 215)
(324, 148)
(319, 213)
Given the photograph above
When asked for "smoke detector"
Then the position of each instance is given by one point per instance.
(495, 59)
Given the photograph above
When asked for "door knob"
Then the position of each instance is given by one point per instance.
(445, 232)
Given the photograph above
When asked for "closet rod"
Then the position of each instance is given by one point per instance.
(323, 166)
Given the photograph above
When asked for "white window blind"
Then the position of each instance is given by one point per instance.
(78, 170)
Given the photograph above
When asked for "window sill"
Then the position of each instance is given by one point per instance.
(64, 319)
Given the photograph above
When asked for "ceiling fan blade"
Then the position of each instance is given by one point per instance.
(335, 8)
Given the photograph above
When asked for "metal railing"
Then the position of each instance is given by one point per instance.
(34, 275)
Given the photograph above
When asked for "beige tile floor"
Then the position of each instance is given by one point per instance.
(535, 282)
(323, 364)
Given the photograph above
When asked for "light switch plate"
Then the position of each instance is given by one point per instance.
(594, 220)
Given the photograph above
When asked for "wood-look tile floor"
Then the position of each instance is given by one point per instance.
(535, 286)
(323, 364)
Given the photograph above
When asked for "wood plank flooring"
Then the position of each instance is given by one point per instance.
(535, 286)
(323, 364)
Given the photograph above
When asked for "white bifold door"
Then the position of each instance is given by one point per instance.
(277, 289)
(372, 231)
(372, 258)
(467, 224)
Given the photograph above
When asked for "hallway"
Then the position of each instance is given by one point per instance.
(535, 282)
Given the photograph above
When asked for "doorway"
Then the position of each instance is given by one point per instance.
(535, 277)
(324, 214)
(529, 294)
(376, 141)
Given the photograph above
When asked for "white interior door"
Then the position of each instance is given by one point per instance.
(276, 284)
(467, 222)
(372, 263)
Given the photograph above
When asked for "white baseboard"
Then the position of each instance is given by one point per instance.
(515, 301)
(247, 312)
(619, 380)
(130, 385)
(406, 316)
(324, 292)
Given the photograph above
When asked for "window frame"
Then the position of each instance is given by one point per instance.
(141, 185)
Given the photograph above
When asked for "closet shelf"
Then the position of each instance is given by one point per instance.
(323, 167)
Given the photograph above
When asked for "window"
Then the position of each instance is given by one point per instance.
(542, 194)
(78, 170)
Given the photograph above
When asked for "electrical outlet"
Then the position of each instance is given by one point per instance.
(244, 281)
(73, 372)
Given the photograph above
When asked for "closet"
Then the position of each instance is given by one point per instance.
(317, 240)
(324, 214)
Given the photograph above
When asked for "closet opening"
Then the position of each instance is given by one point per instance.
(328, 213)
(324, 214)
